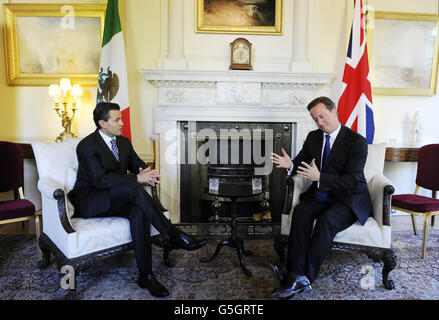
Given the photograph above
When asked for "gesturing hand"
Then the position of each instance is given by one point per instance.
(309, 171)
(148, 176)
(283, 161)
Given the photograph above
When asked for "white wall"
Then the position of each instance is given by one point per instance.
(209, 51)
(392, 113)
(27, 113)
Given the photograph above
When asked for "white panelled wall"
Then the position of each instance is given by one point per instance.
(161, 34)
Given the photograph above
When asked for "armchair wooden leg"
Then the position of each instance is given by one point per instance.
(45, 251)
(389, 260)
(388, 257)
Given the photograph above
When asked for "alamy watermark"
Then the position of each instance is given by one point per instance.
(226, 147)
(68, 280)
(68, 19)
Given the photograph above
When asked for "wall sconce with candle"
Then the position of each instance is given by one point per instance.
(66, 99)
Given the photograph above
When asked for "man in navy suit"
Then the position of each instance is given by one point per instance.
(110, 182)
(333, 158)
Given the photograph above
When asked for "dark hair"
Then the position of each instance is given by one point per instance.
(102, 111)
(330, 105)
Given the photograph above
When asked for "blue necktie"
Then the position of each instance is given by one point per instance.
(326, 152)
(322, 196)
(114, 149)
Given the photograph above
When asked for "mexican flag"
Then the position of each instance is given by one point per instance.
(113, 80)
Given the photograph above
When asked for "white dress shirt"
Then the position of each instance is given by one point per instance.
(107, 139)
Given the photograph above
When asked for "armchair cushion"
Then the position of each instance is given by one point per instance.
(368, 234)
(53, 159)
(376, 154)
(58, 161)
(97, 234)
(70, 183)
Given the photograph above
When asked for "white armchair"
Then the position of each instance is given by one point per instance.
(77, 242)
(372, 238)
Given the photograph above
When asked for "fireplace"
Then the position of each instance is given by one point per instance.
(187, 101)
(242, 151)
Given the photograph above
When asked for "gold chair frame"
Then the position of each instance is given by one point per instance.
(426, 215)
(23, 219)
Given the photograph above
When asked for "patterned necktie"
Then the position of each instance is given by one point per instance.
(114, 149)
(322, 196)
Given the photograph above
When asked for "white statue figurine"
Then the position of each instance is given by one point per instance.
(415, 130)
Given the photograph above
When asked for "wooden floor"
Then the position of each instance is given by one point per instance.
(399, 223)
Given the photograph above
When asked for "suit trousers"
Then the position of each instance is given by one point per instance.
(131, 201)
(308, 246)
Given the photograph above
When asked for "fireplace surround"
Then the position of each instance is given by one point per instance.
(230, 96)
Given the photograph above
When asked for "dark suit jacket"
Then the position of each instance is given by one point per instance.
(344, 176)
(98, 171)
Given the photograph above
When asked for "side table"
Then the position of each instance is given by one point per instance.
(402, 154)
(233, 192)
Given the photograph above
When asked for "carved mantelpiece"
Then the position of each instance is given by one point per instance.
(227, 96)
(197, 76)
(178, 87)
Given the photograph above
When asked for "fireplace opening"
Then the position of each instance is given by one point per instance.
(219, 152)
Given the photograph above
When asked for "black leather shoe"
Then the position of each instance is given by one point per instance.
(278, 276)
(149, 282)
(293, 284)
(187, 242)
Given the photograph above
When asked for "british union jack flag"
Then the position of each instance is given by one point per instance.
(355, 103)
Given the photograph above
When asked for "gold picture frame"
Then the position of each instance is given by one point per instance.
(47, 42)
(225, 16)
(403, 53)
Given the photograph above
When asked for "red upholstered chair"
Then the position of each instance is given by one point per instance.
(427, 177)
(11, 179)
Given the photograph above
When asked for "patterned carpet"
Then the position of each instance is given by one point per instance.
(115, 277)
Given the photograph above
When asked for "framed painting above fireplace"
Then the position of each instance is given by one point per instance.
(240, 16)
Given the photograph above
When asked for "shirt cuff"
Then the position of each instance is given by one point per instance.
(291, 169)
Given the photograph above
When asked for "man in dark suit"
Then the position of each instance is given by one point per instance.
(110, 182)
(333, 158)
